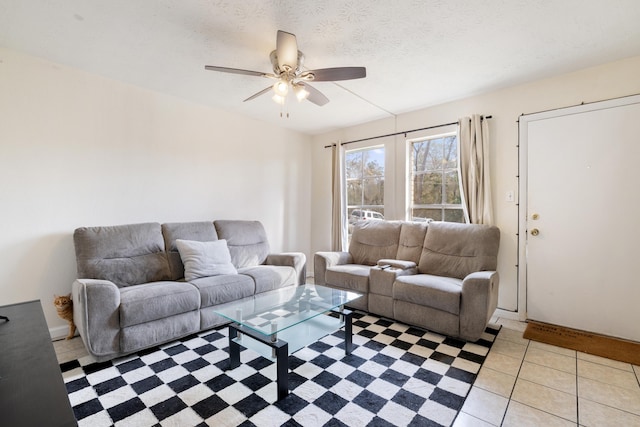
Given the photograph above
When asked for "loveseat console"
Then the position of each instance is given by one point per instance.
(440, 276)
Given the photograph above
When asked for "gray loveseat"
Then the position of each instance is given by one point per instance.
(131, 291)
(440, 276)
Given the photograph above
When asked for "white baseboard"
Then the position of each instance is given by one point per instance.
(59, 333)
(506, 314)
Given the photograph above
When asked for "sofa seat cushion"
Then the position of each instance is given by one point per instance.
(216, 290)
(156, 300)
(270, 277)
(353, 277)
(442, 293)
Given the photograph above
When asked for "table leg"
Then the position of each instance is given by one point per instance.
(234, 348)
(348, 331)
(280, 348)
(282, 367)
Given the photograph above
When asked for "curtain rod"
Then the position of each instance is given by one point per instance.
(399, 133)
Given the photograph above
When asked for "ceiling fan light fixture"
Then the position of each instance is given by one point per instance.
(288, 70)
(278, 99)
(301, 92)
(281, 88)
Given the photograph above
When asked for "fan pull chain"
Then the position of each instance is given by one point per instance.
(282, 107)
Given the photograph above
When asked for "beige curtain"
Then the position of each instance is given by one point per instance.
(474, 169)
(338, 221)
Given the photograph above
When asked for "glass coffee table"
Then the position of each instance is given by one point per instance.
(280, 322)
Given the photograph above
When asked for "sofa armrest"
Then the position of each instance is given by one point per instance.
(397, 264)
(324, 260)
(479, 300)
(297, 260)
(96, 305)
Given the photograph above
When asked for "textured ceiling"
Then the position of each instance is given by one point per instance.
(417, 53)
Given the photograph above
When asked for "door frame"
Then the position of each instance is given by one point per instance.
(523, 171)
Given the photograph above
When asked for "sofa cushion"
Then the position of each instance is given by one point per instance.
(216, 290)
(442, 293)
(123, 254)
(457, 250)
(270, 277)
(204, 259)
(411, 241)
(374, 240)
(352, 277)
(247, 241)
(202, 231)
(148, 334)
(153, 301)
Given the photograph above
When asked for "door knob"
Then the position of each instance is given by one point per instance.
(535, 232)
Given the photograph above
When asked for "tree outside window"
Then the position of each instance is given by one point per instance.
(435, 184)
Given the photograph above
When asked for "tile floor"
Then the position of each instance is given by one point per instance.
(526, 383)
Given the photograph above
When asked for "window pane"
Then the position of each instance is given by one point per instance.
(454, 215)
(419, 155)
(434, 214)
(450, 159)
(452, 188)
(353, 165)
(373, 191)
(435, 179)
(373, 162)
(364, 172)
(427, 189)
(435, 155)
(354, 193)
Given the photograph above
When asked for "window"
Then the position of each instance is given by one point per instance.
(365, 184)
(435, 183)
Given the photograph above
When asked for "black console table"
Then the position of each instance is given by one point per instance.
(32, 392)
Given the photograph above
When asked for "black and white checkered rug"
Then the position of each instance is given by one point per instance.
(397, 375)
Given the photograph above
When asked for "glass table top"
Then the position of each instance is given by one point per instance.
(271, 312)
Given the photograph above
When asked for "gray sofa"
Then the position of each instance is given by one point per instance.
(131, 291)
(440, 276)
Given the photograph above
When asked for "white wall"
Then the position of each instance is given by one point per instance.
(607, 81)
(78, 149)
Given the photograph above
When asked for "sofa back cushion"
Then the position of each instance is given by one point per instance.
(124, 254)
(411, 241)
(374, 240)
(247, 241)
(456, 250)
(202, 231)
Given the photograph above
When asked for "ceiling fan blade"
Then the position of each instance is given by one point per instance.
(287, 50)
(339, 73)
(262, 92)
(235, 71)
(315, 95)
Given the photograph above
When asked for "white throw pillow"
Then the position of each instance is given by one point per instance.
(204, 259)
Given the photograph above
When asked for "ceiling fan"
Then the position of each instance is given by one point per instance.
(288, 72)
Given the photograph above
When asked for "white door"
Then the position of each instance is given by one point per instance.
(580, 217)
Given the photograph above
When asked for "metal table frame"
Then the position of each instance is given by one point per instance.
(281, 348)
